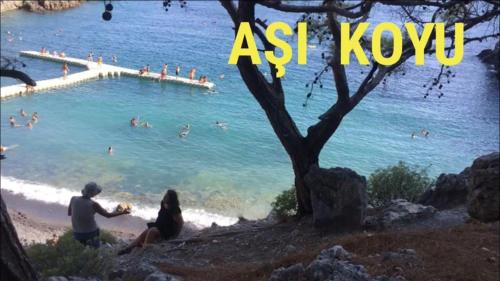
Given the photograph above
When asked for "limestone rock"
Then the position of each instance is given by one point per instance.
(160, 276)
(10, 5)
(449, 191)
(483, 202)
(291, 273)
(38, 5)
(321, 270)
(336, 252)
(401, 211)
(492, 57)
(338, 197)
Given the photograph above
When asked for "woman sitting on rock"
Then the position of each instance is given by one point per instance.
(168, 224)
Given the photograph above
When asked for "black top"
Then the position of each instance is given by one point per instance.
(165, 222)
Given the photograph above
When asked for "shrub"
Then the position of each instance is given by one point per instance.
(68, 257)
(399, 181)
(285, 204)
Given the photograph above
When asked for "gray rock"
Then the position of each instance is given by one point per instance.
(291, 273)
(56, 278)
(334, 270)
(449, 191)
(336, 252)
(70, 278)
(338, 197)
(290, 249)
(295, 232)
(492, 57)
(138, 272)
(401, 211)
(160, 276)
(483, 202)
(392, 278)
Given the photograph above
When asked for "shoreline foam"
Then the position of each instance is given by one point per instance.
(47, 194)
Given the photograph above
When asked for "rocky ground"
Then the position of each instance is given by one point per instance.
(38, 5)
(463, 250)
(454, 236)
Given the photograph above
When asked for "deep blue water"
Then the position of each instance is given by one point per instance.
(228, 172)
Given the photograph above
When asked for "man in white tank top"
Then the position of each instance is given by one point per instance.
(82, 210)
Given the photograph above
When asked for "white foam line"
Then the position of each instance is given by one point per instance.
(51, 194)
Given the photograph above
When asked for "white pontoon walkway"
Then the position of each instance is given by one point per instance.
(94, 71)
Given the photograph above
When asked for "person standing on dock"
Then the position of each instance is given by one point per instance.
(114, 59)
(99, 60)
(90, 57)
(163, 73)
(192, 73)
(177, 70)
(65, 70)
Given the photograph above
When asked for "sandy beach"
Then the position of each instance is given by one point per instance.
(37, 221)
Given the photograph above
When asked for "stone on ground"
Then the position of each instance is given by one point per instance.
(338, 197)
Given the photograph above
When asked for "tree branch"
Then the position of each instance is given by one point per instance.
(16, 74)
(345, 12)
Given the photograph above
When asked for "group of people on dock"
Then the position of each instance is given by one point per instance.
(46, 52)
(90, 58)
(23, 114)
(145, 70)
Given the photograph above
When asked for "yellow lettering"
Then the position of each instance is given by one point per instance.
(279, 62)
(349, 44)
(302, 43)
(441, 44)
(397, 43)
(244, 32)
(419, 43)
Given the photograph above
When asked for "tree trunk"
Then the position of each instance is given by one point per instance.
(14, 262)
(301, 165)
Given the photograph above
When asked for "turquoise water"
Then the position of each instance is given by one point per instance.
(230, 172)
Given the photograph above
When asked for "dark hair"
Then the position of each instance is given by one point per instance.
(173, 200)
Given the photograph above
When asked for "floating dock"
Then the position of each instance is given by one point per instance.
(94, 71)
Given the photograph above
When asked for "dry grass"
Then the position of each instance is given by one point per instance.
(465, 253)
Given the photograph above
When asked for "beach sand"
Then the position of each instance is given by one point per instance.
(37, 221)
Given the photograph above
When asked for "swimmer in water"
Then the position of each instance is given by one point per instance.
(413, 135)
(134, 122)
(424, 133)
(221, 77)
(12, 121)
(2, 150)
(29, 125)
(146, 125)
(185, 131)
(110, 150)
(23, 113)
(222, 125)
(34, 117)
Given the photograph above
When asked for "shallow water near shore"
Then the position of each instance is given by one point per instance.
(219, 173)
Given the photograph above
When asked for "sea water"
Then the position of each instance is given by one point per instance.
(219, 173)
